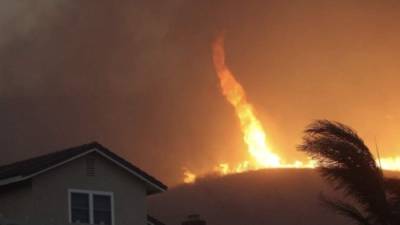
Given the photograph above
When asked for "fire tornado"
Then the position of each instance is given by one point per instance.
(253, 132)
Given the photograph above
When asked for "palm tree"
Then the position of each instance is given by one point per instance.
(347, 163)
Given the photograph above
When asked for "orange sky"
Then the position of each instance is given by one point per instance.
(299, 62)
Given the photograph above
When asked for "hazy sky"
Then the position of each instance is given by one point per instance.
(137, 76)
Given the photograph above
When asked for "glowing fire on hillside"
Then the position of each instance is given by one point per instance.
(254, 136)
(253, 132)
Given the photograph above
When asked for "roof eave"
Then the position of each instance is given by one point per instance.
(151, 187)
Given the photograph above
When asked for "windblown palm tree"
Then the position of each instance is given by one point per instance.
(346, 162)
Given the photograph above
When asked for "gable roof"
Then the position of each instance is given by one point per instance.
(26, 169)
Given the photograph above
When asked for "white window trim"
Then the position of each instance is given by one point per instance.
(90, 193)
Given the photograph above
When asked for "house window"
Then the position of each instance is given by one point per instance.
(80, 208)
(102, 209)
(91, 207)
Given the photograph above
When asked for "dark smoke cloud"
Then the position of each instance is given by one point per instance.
(137, 75)
(81, 71)
(119, 73)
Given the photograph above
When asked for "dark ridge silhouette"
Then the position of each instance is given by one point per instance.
(270, 196)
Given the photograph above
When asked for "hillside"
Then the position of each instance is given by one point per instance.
(271, 196)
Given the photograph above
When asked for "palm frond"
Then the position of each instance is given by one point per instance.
(392, 186)
(339, 144)
(346, 162)
(347, 210)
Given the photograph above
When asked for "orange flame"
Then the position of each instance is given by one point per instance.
(389, 163)
(189, 177)
(253, 132)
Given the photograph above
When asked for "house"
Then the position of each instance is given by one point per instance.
(87, 184)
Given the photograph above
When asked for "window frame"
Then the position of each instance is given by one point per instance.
(91, 207)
